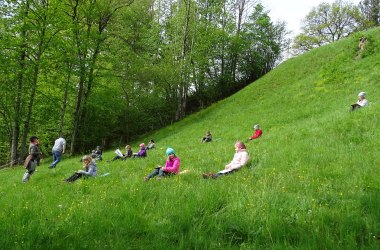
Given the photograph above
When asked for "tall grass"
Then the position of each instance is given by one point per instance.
(312, 183)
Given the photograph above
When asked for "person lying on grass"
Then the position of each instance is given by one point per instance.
(89, 167)
(240, 159)
(171, 166)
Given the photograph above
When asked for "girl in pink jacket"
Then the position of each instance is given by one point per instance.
(171, 166)
(240, 159)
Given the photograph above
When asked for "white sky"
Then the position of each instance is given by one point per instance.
(293, 11)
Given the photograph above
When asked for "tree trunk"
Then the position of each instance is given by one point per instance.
(20, 80)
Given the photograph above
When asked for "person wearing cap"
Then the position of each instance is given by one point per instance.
(33, 159)
(240, 159)
(142, 151)
(362, 101)
(171, 166)
(258, 132)
(89, 169)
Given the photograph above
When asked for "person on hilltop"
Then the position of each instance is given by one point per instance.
(207, 137)
(89, 169)
(257, 132)
(119, 155)
(33, 159)
(141, 153)
(362, 101)
(171, 166)
(240, 159)
(151, 144)
(58, 149)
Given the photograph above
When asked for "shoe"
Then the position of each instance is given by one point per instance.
(208, 175)
(146, 178)
(51, 167)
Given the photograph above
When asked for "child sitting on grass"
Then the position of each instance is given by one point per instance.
(171, 166)
(142, 151)
(240, 159)
(89, 166)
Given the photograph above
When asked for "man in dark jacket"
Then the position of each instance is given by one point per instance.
(33, 158)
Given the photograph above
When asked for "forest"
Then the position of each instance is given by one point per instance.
(104, 72)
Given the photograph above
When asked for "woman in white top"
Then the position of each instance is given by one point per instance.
(362, 101)
(240, 159)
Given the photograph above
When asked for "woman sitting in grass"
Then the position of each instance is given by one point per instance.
(240, 159)
(258, 132)
(171, 166)
(119, 155)
(142, 151)
(89, 167)
(362, 101)
(207, 137)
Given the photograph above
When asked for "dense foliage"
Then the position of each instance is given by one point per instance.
(103, 72)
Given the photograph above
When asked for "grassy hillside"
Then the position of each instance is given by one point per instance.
(313, 182)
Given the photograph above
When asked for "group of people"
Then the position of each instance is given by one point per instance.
(129, 152)
(172, 163)
(34, 157)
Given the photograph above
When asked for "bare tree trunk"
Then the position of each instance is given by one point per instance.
(20, 80)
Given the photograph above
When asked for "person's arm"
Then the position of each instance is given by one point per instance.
(175, 166)
(64, 146)
(91, 170)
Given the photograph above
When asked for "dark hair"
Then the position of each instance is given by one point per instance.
(33, 138)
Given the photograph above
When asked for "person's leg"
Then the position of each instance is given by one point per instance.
(153, 174)
(74, 177)
(56, 158)
(219, 174)
(30, 170)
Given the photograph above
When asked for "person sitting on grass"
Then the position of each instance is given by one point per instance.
(362, 101)
(258, 132)
(142, 151)
(207, 137)
(97, 154)
(89, 169)
(171, 166)
(240, 159)
(151, 144)
(119, 155)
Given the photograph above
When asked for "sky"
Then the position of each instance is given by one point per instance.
(293, 11)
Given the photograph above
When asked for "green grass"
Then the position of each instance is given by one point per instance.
(313, 181)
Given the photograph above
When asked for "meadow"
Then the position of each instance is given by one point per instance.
(312, 182)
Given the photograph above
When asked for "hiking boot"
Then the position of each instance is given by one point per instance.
(207, 175)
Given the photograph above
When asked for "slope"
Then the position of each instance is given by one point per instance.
(313, 181)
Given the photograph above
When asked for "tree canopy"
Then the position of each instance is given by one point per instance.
(102, 72)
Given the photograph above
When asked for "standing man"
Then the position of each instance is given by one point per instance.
(58, 149)
(33, 159)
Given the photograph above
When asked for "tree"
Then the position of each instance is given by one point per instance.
(327, 23)
(371, 11)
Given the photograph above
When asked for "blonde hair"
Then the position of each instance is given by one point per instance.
(128, 147)
(87, 159)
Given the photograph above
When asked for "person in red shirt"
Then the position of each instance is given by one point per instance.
(258, 132)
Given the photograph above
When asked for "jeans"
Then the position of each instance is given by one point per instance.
(158, 171)
(57, 156)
